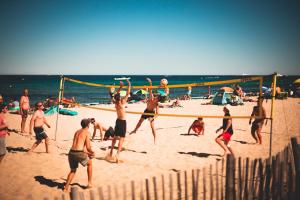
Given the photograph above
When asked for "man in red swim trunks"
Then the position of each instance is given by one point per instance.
(226, 134)
(197, 126)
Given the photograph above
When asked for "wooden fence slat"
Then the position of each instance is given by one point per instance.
(132, 190)
(171, 186)
(147, 190)
(81, 195)
(116, 191)
(193, 185)
(250, 180)
(186, 192)
(108, 192)
(100, 191)
(253, 180)
(178, 186)
(222, 179)
(74, 193)
(142, 191)
(211, 183)
(246, 194)
(163, 187)
(268, 179)
(261, 179)
(204, 183)
(296, 155)
(217, 180)
(230, 178)
(92, 195)
(155, 188)
(240, 186)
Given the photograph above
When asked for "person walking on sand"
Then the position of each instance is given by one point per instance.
(258, 122)
(224, 138)
(24, 108)
(109, 132)
(3, 130)
(152, 108)
(36, 123)
(80, 152)
(197, 126)
(120, 127)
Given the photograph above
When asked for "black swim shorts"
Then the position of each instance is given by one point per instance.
(109, 133)
(39, 133)
(148, 116)
(77, 156)
(120, 128)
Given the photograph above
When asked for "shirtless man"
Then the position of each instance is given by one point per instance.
(36, 123)
(152, 108)
(120, 128)
(258, 122)
(24, 108)
(81, 152)
(109, 132)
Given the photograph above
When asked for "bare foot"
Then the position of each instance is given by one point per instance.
(89, 186)
(65, 190)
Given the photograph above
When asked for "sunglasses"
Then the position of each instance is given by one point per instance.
(40, 105)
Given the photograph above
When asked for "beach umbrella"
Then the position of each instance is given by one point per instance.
(141, 91)
(226, 89)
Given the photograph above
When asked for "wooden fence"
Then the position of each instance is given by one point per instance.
(232, 179)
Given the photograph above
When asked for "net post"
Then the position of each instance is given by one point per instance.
(272, 112)
(60, 95)
(260, 99)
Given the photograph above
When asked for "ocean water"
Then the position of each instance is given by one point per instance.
(42, 86)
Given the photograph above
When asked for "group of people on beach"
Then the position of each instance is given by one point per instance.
(81, 151)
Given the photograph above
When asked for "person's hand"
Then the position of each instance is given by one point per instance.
(218, 130)
(121, 83)
(127, 80)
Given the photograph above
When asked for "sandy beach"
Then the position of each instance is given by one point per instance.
(40, 175)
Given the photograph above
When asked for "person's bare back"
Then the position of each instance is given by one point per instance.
(80, 138)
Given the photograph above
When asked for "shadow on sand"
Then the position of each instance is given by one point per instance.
(191, 134)
(243, 142)
(123, 149)
(201, 155)
(53, 183)
(16, 149)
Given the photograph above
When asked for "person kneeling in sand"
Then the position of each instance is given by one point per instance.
(152, 108)
(36, 123)
(226, 134)
(80, 152)
(197, 126)
(109, 132)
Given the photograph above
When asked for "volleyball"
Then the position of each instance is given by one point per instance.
(163, 82)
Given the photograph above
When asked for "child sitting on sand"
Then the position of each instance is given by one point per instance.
(197, 126)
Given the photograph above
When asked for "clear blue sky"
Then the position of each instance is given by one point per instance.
(149, 37)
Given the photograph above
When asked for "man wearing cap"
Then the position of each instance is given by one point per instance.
(81, 152)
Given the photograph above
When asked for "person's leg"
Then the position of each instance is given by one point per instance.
(47, 144)
(34, 145)
(228, 146)
(90, 173)
(121, 141)
(220, 142)
(1, 157)
(253, 130)
(137, 126)
(113, 145)
(153, 129)
(23, 122)
(258, 131)
(69, 179)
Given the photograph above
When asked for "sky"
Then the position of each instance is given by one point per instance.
(166, 37)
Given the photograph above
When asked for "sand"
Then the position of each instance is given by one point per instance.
(40, 175)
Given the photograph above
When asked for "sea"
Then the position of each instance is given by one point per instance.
(44, 86)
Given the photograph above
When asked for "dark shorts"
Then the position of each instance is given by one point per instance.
(109, 133)
(2, 146)
(256, 125)
(39, 133)
(76, 157)
(120, 128)
(226, 136)
(24, 113)
(148, 116)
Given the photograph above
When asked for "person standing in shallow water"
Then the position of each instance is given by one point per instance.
(224, 138)
(24, 108)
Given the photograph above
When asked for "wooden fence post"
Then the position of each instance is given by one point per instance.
(268, 179)
(296, 154)
(178, 186)
(217, 180)
(230, 178)
(171, 186)
(211, 183)
(163, 187)
(92, 195)
(132, 191)
(155, 188)
(204, 183)
(147, 190)
(261, 179)
(74, 193)
(100, 191)
(246, 193)
(186, 192)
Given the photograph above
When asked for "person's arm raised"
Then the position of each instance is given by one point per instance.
(128, 90)
(150, 88)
